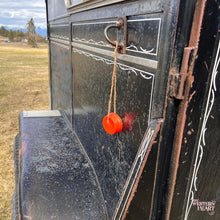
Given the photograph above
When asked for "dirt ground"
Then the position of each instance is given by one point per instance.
(24, 85)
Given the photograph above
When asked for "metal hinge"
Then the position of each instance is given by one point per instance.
(177, 81)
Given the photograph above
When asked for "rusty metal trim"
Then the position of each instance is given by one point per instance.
(178, 81)
(181, 116)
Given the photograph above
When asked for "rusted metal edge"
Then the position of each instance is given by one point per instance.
(181, 116)
(177, 82)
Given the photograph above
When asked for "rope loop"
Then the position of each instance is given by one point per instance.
(113, 84)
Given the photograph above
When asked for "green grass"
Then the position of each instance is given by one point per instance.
(24, 85)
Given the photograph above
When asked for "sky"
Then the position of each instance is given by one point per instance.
(16, 13)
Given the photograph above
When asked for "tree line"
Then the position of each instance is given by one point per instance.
(13, 35)
(18, 35)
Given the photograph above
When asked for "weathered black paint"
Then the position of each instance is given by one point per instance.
(61, 75)
(80, 70)
(202, 78)
(57, 180)
(111, 155)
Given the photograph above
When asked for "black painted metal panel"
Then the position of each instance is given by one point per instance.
(139, 28)
(112, 156)
(60, 31)
(125, 8)
(61, 79)
(208, 46)
(141, 204)
(56, 8)
(56, 178)
(143, 35)
(204, 195)
(92, 33)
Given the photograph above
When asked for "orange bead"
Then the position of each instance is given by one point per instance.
(112, 123)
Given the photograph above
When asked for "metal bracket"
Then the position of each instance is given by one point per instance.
(177, 85)
(121, 25)
(178, 80)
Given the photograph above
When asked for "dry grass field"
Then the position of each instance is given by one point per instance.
(23, 86)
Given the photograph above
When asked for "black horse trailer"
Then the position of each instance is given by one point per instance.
(133, 129)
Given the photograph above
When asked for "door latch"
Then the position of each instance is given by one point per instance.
(121, 25)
